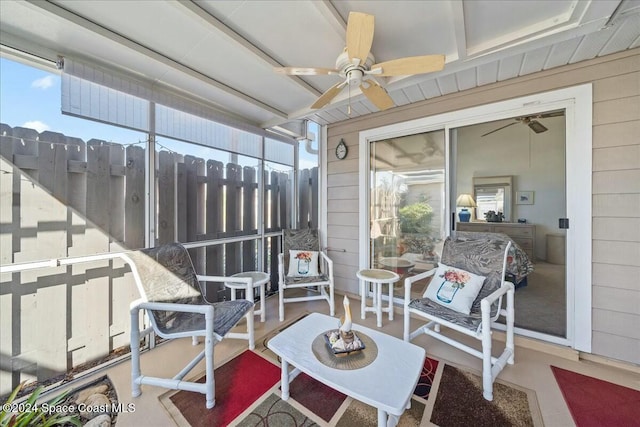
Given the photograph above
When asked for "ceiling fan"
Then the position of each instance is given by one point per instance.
(530, 121)
(356, 65)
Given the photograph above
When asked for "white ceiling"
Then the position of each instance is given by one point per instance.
(224, 52)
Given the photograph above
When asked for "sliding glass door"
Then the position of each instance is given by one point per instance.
(407, 209)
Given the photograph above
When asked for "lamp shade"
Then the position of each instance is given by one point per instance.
(465, 201)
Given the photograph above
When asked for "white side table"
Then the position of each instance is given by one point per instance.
(377, 277)
(260, 279)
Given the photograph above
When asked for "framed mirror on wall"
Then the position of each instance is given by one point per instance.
(493, 194)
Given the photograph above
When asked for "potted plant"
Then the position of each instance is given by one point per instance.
(492, 216)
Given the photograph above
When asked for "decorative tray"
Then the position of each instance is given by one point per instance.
(336, 344)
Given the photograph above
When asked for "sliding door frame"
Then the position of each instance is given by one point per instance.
(577, 103)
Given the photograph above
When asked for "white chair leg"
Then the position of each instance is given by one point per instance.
(487, 377)
(210, 385)
(250, 329)
(281, 303)
(135, 353)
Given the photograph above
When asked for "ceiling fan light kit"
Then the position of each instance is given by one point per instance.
(356, 66)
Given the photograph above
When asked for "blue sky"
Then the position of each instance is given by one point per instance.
(30, 97)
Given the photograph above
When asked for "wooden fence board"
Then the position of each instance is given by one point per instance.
(284, 207)
(134, 197)
(249, 258)
(181, 202)
(213, 226)
(116, 196)
(166, 197)
(192, 207)
(97, 234)
(233, 251)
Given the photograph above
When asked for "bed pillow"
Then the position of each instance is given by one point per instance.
(454, 288)
(303, 263)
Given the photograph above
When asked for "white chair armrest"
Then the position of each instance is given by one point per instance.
(491, 298)
(409, 281)
(329, 262)
(167, 306)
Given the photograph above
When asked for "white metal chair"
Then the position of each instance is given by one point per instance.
(305, 240)
(171, 295)
(486, 257)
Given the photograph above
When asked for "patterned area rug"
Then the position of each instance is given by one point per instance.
(445, 396)
(459, 402)
(593, 402)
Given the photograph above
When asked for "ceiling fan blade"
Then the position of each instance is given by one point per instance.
(537, 127)
(376, 94)
(326, 97)
(500, 128)
(304, 71)
(409, 66)
(552, 114)
(359, 35)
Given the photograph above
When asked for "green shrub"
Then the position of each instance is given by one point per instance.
(416, 218)
(30, 413)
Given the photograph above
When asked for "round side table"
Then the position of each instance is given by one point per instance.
(377, 277)
(260, 279)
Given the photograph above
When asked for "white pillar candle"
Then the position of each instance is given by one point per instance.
(346, 325)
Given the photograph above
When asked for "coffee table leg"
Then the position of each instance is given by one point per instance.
(382, 418)
(284, 379)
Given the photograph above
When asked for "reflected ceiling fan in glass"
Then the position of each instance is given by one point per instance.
(531, 121)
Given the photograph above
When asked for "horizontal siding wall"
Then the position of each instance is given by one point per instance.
(616, 186)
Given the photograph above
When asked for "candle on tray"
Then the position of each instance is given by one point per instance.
(345, 328)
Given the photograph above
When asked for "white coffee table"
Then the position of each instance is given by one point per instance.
(386, 384)
(260, 279)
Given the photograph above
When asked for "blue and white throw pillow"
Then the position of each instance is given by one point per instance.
(454, 288)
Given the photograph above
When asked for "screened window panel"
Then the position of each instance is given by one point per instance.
(279, 152)
(90, 100)
(177, 124)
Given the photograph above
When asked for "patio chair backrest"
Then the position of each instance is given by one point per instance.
(484, 257)
(167, 275)
(299, 240)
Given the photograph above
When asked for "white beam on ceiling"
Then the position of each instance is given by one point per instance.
(150, 53)
(459, 29)
(332, 16)
(242, 42)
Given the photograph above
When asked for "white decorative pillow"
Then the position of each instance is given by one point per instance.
(454, 288)
(303, 263)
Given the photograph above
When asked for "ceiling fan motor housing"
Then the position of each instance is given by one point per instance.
(354, 71)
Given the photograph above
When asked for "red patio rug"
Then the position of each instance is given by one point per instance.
(239, 383)
(593, 402)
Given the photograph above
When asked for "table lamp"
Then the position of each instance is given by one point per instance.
(465, 201)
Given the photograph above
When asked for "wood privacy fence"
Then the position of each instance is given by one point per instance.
(62, 197)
